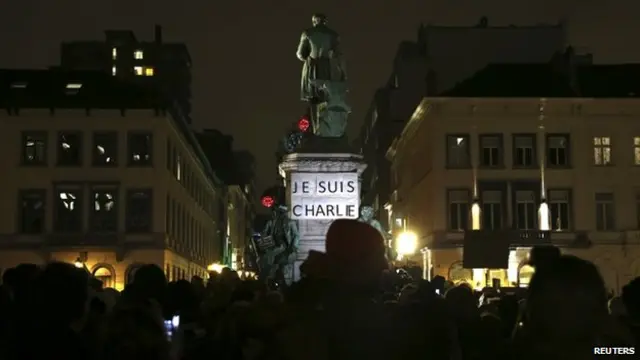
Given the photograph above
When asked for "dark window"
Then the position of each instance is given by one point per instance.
(605, 212)
(140, 149)
(34, 148)
(524, 150)
(638, 210)
(169, 155)
(558, 150)
(491, 150)
(458, 209)
(139, 210)
(32, 211)
(68, 209)
(167, 216)
(560, 208)
(104, 209)
(105, 148)
(491, 210)
(458, 155)
(526, 213)
(70, 148)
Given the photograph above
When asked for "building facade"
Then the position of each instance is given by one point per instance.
(441, 57)
(155, 64)
(104, 173)
(506, 147)
(236, 169)
(240, 219)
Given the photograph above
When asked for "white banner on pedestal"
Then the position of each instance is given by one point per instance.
(324, 196)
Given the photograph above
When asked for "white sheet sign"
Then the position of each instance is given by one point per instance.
(324, 196)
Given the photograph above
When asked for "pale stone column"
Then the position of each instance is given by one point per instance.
(313, 232)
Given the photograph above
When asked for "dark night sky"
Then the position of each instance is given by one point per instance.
(246, 76)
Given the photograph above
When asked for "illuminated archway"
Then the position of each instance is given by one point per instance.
(106, 274)
(130, 273)
(457, 273)
(525, 273)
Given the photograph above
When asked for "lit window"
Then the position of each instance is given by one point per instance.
(19, 85)
(73, 88)
(67, 212)
(140, 149)
(103, 215)
(636, 150)
(70, 148)
(114, 53)
(138, 70)
(105, 148)
(138, 55)
(602, 151)
(114, 71)
(148, 71)
(34, 148)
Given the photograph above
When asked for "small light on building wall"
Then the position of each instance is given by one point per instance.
(138, 55)
(543, 217)
(475, 216)
(74, 86)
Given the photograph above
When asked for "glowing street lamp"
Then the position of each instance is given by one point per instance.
(79, 264)
(406, 243)
(543, 216)
(475, 215)
(217, 267)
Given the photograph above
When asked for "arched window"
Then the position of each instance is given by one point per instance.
(106, 274)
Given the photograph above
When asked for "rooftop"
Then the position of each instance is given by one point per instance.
(60, 89)
(73, 89)
(545, 80)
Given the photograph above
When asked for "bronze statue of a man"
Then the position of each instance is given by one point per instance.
(277, 262)
(319, 50)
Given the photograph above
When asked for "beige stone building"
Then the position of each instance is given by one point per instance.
(578, 154)
(239, 218)
(101, 174)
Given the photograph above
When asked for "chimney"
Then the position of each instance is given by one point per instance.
(158, 34)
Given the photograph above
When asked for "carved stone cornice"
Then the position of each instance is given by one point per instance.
(324, 163)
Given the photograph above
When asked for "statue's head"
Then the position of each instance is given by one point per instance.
(318, 19)
(366, 213)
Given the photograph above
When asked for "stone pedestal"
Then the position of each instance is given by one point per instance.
(312, 232)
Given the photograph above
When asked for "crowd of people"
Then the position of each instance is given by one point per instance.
(348, 305)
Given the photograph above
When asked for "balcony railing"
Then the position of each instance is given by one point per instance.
(517, 238)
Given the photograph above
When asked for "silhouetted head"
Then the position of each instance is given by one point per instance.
(631, 298)
(355, 252)
(567, 301)
(318, 19)
(542, 255)
(150, 282)
(63, 294)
